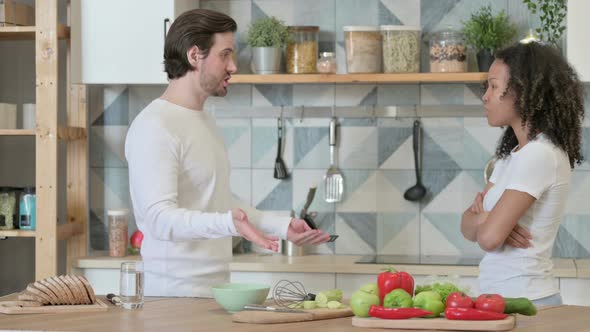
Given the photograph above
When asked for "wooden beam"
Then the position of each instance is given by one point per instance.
(46, 60)
(359, 78)
(69, 230)
(17, 233)
(28, 33)
(17, 132)
(71, 133)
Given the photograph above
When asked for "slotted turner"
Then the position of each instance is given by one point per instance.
(333, 181)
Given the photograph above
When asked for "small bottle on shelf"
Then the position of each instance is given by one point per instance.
(28, 209)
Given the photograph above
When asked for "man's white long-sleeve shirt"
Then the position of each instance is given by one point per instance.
(179, 181)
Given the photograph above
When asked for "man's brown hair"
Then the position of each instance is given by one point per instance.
(194, 27)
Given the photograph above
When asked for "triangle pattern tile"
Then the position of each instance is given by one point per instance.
(389, 140)
(567, 246)
(475, 156)
(579, 193)
(390, 226)
(387, 17)
(257, 13)
(406, 242)
(370, 99)
(434, 156)
(433, 241)
(364, 224)
(116, 113)
(433, 11)
(264, 139)
(399, 179)
(349, 241)
(359, 191)
(232, 134)
(117, 181)
(280, 197)
(402, 158)
(477, 177)
(449, 225)
(99, 235)
(308, 138)
(435, 182)
(101, 155)
(277, 94)
(363, 154)
(455, 196)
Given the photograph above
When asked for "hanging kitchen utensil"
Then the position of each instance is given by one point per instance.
(418, 191)
(280, 168)
(289, 293)
(333, 180)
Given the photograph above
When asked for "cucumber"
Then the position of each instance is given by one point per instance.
(519, 305)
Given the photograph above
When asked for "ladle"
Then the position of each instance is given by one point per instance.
(418, 191)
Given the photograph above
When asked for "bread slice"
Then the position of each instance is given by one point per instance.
(73, 290)
(80, 284)
(46, 290)
(55, 293)
(32, 290)
(28, 296)
(65, 289)
(88, 287)
(79, 292)
(58, 289)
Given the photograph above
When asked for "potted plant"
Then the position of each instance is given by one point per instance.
(486, 33)
(552, 14)
(267, 37)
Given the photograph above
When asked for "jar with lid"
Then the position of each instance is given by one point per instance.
(401, 48)
(327, 63)
(8, 208)
(28, 209)
(118, 229)
(448, 53)
(363, 49)
(302, 49)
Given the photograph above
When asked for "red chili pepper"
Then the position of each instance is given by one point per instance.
(396, 313)
(390, 279)
(472, 314)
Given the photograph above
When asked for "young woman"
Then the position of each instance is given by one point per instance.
(533, 92)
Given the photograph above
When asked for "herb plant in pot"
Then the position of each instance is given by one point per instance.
(486, 33)
(267, 37)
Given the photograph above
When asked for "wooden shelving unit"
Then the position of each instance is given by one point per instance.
(359, 78)
(46, 34)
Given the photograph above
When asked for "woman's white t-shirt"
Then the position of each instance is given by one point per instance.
(541, 170)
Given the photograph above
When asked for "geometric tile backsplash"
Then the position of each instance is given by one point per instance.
(375, 154)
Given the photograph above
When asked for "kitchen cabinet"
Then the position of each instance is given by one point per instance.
(122, 42)
(578, 48)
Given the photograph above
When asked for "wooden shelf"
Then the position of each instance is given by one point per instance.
(17, 132)
(17, 233)
(28, 33)
(359, 78)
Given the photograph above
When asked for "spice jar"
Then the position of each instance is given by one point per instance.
(8, 211)
(118, 229)
(302, 49)
(363, 49)
(28, 209)
(448, 52)
(327, 63)
(401, 48)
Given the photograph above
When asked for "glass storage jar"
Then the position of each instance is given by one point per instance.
(327, 63)
(448, 52)
(28, 209)
(401, 48)
(363, 49)
(8, 208)
(302, 49)
(118, 229)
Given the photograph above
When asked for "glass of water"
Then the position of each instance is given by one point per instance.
(131, 285)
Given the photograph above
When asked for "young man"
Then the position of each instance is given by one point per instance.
(179, 170)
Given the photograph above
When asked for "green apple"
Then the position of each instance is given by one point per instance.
(430, 301)
(361, 301)
(398, 298)
(370, 288)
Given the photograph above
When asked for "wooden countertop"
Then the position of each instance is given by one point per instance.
(192, 314)
(563, 268)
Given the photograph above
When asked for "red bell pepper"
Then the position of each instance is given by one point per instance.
(472, 314)
(390, 279)
(396, 313)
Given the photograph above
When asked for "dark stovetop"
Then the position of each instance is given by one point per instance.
(419, 260)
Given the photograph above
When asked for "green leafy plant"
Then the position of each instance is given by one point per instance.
(268, 32)
(486, 31)
(552, 14)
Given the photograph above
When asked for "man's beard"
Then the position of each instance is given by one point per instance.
(212, 86)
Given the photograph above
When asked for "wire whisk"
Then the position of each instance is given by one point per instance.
(290, 293)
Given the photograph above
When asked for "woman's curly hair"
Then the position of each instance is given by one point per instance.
(549, 98)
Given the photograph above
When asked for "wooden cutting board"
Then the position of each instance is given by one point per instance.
(9, 306)
(269, 317)
(436, 324)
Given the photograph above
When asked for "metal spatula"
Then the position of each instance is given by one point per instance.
(333, 181)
